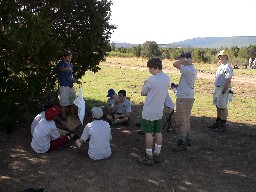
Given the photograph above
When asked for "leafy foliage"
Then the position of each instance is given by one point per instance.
(33, 33)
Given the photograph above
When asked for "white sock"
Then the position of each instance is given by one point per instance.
(149, 152)
(158, 148)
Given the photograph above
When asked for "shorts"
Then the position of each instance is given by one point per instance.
(219, 99)
(148, 126)
(183, 111)
(67, 95)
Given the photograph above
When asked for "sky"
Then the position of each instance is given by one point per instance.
(168, 21)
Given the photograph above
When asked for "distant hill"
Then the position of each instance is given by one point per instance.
(205, 42)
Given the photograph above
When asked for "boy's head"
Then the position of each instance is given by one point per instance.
(52, 112)
(155, 63)
(186, 55)
(111, 92)
(97, 112)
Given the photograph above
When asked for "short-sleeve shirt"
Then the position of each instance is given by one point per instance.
(223, 73)
(99, 132)
(44, 132)
(65, 78)
(156, 89)
(36, 121)
(187, 81)
(110, 102)
(124, 107)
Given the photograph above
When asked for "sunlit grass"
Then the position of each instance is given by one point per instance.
(95, 86)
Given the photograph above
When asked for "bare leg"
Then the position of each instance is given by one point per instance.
(149, 140)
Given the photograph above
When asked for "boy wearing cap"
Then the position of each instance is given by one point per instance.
(112, 97)
(185, 99)
(46, 136)
(66, 90)
(155, 89)
(121, 110)
(99, 133)
(222, 84)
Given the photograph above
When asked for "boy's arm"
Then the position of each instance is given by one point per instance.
(180, 62)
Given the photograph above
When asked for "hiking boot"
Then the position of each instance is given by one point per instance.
(215, 125)
(181, 146)
(146, 159)
(157, 157)
(221, 128)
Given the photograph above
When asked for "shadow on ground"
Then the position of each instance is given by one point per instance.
(215, 162)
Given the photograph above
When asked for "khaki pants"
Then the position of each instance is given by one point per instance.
(182, 116)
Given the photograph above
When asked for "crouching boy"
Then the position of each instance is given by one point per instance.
(99, 134)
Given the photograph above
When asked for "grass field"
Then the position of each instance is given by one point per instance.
(95, 86)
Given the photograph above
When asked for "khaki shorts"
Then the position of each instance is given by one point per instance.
(219, 99)
(183, 111)
(67, 95)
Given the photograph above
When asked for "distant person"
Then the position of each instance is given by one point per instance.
(184, 100)
(46, 136)
(99, 134)
(222, 84)
(121, 110)
(250, 62)
(66, 90)
(109, 107)
(155, 89)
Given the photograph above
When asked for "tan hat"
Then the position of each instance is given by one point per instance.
(223, 52)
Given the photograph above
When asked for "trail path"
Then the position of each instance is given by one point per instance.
(247, 80)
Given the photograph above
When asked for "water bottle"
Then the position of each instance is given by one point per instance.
(174, 87)
(230, 95)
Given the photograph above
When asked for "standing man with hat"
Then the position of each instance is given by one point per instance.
(66, 90)
(222, 84)
(185, 99)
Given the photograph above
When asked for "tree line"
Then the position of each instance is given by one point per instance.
(151, 49)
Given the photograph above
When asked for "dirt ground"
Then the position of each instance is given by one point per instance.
(215, 162)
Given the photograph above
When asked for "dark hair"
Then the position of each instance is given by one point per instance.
(48, 105)
(66, 53)
(155, 63)
(123, 92)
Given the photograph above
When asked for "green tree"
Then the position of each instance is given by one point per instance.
(33, 33)
(150, 49)
(136, 50)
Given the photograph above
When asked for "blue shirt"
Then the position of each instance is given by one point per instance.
(65, 77)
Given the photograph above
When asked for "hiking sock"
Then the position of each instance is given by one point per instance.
(158, 148)
(149, 152)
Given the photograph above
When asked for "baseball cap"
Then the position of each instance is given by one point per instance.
(186, 55)
(97, 112)
(111, 92)
(52, 112)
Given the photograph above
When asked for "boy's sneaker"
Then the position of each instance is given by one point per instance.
(157, 157)
(146, 159)
(221, 128)
(215, 125)
(181, 146)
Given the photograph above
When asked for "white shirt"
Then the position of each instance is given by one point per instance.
(124, 107)
(36, 120)
(187, 81)
(156, 89)
(44, 132)
(99, 132)
(223, 73)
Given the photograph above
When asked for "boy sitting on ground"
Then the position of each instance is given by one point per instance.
(99, 134)
(121, 110)
(108, 108)
(46, 136)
